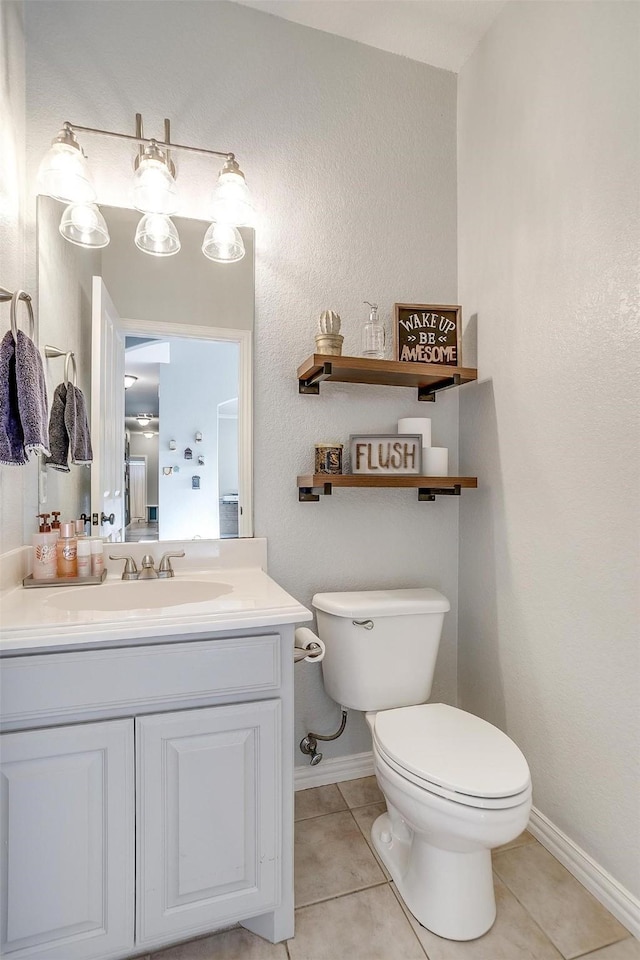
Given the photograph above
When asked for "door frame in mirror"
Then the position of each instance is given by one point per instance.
(244, 339)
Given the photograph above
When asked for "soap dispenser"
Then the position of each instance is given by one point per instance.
(373, 335)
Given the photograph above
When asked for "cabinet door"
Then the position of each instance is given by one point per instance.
(66, 824)
(208, 801)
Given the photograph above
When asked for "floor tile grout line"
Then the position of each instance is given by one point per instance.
(585, 956)
(528, 913)
(340, 896)
(541, 928)
(360, 806)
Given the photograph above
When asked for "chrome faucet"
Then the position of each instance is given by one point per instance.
(165, 569)
(148, 571)
(130, 571)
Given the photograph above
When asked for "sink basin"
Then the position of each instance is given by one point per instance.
(138, 595)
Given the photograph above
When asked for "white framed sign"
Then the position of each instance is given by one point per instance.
(386, 453)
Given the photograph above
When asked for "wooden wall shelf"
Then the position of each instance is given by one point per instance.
(429, 378)
(312, 486)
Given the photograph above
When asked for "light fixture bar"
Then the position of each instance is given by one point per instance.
(73, 127)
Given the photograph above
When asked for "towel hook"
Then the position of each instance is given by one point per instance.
(15, 297)
(69, 360)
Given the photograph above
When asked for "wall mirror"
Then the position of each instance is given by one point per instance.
(172, 454)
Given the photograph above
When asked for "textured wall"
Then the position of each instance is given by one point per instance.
(548, 238)
(351, 154)
(18, 485)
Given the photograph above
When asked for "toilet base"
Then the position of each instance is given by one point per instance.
(448, 892)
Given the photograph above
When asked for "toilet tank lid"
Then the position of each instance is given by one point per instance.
(382, 603)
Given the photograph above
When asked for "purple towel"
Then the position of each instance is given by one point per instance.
(23, 400)
(69, 429)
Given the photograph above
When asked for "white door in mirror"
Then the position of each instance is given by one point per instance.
(107, 394)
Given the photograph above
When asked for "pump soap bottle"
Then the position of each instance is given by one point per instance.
(44, 550)
(373, 335)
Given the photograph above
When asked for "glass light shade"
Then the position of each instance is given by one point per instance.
(223, 243)
(129, 380)
(143, 421)
(157, 235)
(148, 434)
(154, 189)
(231, 201)
(64, 175)
(84, 225)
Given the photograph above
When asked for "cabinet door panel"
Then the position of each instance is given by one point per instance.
(208, 801)
(66, 820)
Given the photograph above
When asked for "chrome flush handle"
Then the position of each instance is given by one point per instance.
(367, 624)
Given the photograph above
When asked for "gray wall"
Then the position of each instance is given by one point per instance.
(351, 155)
(18, 486)
(549, 235)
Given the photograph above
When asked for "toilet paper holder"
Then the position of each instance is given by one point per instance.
(308, 646)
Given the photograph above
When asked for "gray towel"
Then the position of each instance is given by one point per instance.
(23, 400)
(69, 429)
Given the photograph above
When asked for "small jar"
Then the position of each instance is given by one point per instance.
(328, 458)
(84, 557)
(67, 548)
(97, 556)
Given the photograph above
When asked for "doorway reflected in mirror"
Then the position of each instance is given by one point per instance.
(184, 399)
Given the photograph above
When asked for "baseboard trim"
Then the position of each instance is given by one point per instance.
(334, 770)
(612, 895)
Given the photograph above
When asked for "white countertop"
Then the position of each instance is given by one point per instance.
(37, 620)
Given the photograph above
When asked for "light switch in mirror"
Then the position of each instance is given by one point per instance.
(183, 327)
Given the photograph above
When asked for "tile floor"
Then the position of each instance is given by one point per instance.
(347, 908)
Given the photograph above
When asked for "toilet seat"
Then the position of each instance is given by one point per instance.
(453, 754)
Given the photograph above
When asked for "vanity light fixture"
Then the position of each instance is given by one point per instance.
(129, 380)
(156, 234)
(64, 175)
(143, 419)
(231, 202)
(223, 244)
(84, 225)
(64, 172)
(154, 182)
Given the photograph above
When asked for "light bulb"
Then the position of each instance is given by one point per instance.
(223, 243)
(84, 225)
(231, 202)
(64, 172)
(156, 234)
(154, 187)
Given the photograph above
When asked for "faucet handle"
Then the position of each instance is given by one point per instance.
(130, 571)
(165, 569)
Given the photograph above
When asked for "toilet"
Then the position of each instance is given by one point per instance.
(455, 786)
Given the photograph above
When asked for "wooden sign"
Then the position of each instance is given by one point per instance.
(386, 453)
(427, 334)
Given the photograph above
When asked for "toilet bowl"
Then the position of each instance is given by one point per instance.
(455, 786)
(446, 811)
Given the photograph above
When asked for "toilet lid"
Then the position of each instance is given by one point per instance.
(453, 749)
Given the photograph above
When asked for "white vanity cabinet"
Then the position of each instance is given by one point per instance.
(207, 803)
(146, 795)
(67, 841)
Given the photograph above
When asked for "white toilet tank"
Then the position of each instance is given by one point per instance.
(381, 645)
